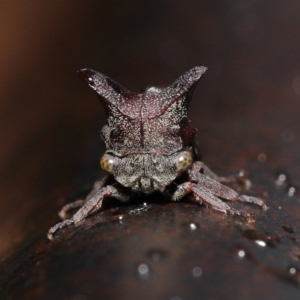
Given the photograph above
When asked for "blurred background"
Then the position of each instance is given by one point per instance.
(246, 105)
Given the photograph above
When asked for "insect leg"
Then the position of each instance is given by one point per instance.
(66, 208)
(203, 195)
(90, 206)
(79, 203)
(220, 190)
(199, 166)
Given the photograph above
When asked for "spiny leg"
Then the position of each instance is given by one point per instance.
(253, 200)
(90, 206)
(63, 213)
(199, 166)
(70, 206)
(223, 191)
(205, 196)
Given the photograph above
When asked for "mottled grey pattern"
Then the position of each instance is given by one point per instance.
(144, 131)
(151, 147)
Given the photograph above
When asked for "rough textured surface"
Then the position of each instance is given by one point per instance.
(151, 147)
(248, 118)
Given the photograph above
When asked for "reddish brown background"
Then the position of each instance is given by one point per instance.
(247, 104)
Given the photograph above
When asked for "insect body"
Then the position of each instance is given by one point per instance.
(151, 146)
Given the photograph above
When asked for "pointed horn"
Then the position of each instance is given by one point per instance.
(105, 87)
(186, 82)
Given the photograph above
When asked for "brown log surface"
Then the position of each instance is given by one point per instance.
(246, 109)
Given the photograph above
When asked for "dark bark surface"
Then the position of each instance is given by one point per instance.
(246, 109)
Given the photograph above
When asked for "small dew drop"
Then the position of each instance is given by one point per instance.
(193, 226)
(281, 179)
(197, 272)
(262, 157)
(241, 253)
(294, 273)
(118, 217)
(242, 178)
(260, 238)
(145, 273)
(279, 207)
(143, 269)
(291, 191)
(261, 243)
(242, 174)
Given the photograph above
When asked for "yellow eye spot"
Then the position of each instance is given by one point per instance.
(107, 163)
(184, 161)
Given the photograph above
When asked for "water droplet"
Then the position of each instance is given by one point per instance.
(241, 253)
(157, 255)
(143, 269)
(242, 179)
(294, 274)
(287, 228)
(289, 275)
(193, 226)
(292, 190)
(145, 273)
(197, 272)
(293, 270)
(118, 217)
(260, 238)
(262, 157)
(261, 243)
(242, 174)
(281, 179)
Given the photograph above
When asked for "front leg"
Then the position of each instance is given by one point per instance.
(220, 190)
(90, 206)
(202, 168)
(79, 203)
(203, 195)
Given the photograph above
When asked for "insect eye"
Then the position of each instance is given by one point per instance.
(107, 163)
(184, 161)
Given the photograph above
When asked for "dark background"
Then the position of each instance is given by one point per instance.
(246, 105)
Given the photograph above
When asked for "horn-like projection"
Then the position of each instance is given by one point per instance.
(186, 82)
(105, 87)
(180, 90)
